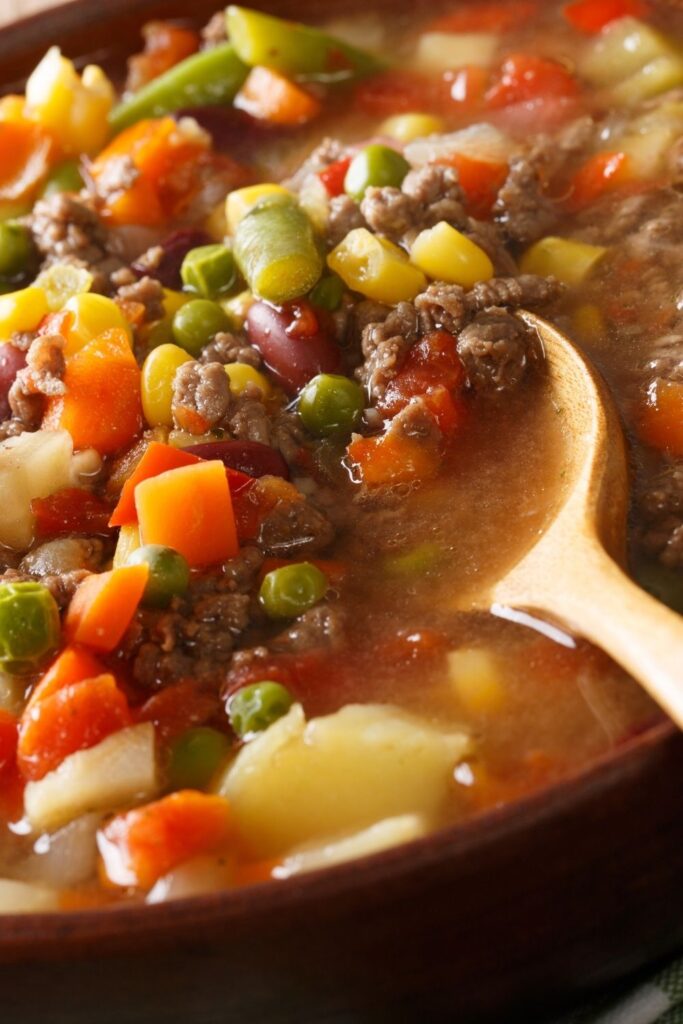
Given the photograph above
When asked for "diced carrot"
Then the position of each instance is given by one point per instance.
(253, 872)
(480, 181)
(103, 606)
(661, 418)
(165, 158)
(166, 45)
(179, 707)
(157, 459)
(8, 741)
(73, 665)
(269, 96)
(102, 407)
(600, 174)
(392, 459)
(189, 509)
(495, 16)
(26, 153)
(335, 570)
(71, 510)
(75, 717)
(591, 16)
(333, 176)
(139, 847)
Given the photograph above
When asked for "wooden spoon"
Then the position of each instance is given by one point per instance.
(572, 575)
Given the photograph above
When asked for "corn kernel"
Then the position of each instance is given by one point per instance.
(22, 311)
(376, 268)
(128, 542)
(570, 262)
(75, 108)
(475, 677)
(241, 375)
(158, 371)
(173, 300)
(61, 282)
(242, 200)
(237, 307)
(407, 127)
(92, 315)
(445, 254)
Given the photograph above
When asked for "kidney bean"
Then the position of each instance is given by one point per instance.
(250, 457)
(176, 248)
(294, 341)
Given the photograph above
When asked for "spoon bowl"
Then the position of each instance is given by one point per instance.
(574, 574)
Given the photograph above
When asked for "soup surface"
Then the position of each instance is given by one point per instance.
(269, 423)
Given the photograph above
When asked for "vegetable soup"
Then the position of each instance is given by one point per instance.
(269, 421)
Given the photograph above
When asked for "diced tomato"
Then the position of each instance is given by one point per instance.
(450, 412)
(432, 365)
(140, 846)
(178, 707)
(480, 181)
(8, 741)
(72, 510)
(494, 16)
(464, 89)
(591, 16)
(396, 92)
(525, 76)
(73, 718)
(333, 176)
(600, 174)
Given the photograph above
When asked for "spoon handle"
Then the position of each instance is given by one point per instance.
(597, 600)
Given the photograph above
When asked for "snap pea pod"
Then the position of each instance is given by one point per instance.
(205, 79)
(294, 49)
(276, 250)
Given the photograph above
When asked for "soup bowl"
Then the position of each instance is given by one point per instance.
(525, 908)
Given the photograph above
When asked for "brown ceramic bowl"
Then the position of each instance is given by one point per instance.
(520, 910)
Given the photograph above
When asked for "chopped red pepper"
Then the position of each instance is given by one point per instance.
(480, 181)
(434, 370)
(464, 89)
(72, 510)
(333, 176)
(600, 174)
(396, 92)
(591, 16)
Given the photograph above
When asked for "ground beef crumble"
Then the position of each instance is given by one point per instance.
(661, 503)
(196, 636)
(66, 228)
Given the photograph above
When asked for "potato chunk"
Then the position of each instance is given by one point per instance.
(338, 774)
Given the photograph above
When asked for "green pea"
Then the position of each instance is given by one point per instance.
(196, 323)
(29, 626)
(65, 177)
(421, 560)
(331, 405)
(328, 293)
(375, 165)
(291, 590)
(169, 574)
(253, 708)
(195, 757)
(209, 270)
(16, 249)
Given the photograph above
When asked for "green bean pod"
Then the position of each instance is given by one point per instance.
(294, 49)
(276, 250)
(210, 78)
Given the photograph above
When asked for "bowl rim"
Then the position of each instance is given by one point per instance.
(35, 933)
